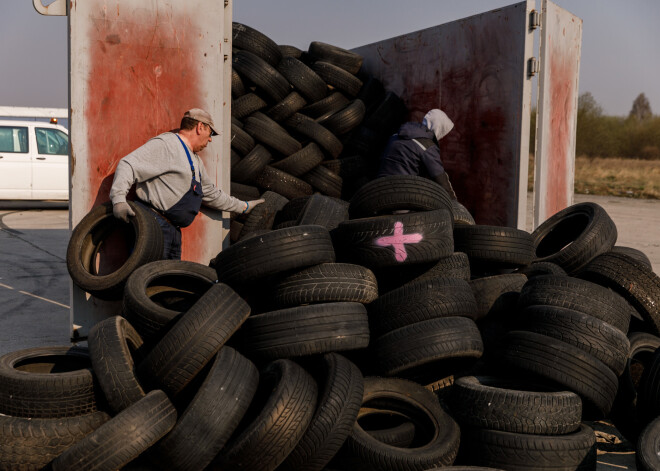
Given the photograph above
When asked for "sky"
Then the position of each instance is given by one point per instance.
(620, 40)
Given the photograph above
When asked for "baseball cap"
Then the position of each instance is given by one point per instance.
(201, 116)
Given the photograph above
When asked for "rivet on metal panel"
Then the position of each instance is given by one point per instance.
(534, 19)
(532, 67)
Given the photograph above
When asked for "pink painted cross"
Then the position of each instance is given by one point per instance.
(398, 240)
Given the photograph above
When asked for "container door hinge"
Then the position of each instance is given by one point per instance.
(534, 19)
(226, 3)
(532, 67)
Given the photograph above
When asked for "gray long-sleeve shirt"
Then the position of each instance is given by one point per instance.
(162, 175)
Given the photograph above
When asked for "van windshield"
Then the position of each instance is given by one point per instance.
(52, 141)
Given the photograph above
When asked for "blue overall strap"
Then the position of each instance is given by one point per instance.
(192, 167)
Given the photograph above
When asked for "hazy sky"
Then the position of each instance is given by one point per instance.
(620, 40)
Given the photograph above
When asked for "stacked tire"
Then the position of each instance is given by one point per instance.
(303, 122)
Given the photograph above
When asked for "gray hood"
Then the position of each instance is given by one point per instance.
(438, 122)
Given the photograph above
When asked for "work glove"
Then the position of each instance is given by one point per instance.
(122, 211)
(443, 181)
(251, 204)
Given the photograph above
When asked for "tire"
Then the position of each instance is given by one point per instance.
(494, 246)
(283, 183)
(323, 211)
(290, 51)
(325, 283)
(286, 108)
(244, 192)
(597, 338)
(421, 300)
(268, 132)
(326, 107)
(513, 406)
(324, 181)
(47, 383)
(303, 79)
(346, 119)
(541, 268)
(518, 452)
(263, 216)
(578, 295)
(301, 162)
(306, 330)
(648, 405)
(400, 436)
(647, 457)
(633, 280)
(123, 438)
(562, 363)
(276, 421)
(112, 344)
(387, 116)
(193, 341)
(237, 86)
(143, 238)
(574, 236)
(347, 60)
(340, 395)
(398, 192)
(338, 78)
(241, 141)
(28, 444)
(455, 265)
(157, 293)
(624, 411)
(292, 210)
(439, 433)
(251, 166)
(262, 74)
(326, 140)
(276, 252)
(250, 39)
(352, 167)
(398, 240)
(461, 214)
(427, 350)
(494, 294)
(247, 104)
(633, 253)
(211, 417)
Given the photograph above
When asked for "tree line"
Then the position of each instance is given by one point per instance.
(636, 136)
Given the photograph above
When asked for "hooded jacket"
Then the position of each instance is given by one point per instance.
(414, 149)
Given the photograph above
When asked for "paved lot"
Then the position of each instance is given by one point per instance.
(34, 283)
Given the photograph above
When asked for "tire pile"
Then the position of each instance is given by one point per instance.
(384, 330)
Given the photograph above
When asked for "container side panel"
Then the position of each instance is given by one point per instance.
(561, 40)
(136, 67)
(475, 70)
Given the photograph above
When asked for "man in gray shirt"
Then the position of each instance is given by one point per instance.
(171, 180)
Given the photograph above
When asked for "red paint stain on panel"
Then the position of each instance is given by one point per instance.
(142, 78)
(562, 102)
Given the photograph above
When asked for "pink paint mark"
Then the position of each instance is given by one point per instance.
(398, 241)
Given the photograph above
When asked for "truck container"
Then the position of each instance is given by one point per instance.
(136, 66)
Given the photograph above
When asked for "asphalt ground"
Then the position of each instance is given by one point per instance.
(35, 285)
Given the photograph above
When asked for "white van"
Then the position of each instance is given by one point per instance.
(34, 161)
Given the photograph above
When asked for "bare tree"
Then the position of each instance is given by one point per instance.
(587, 105)
(641, 108)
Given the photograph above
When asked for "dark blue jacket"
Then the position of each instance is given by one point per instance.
(403, 156)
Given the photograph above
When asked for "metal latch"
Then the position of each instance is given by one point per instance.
(532, 67)
(534, 19)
